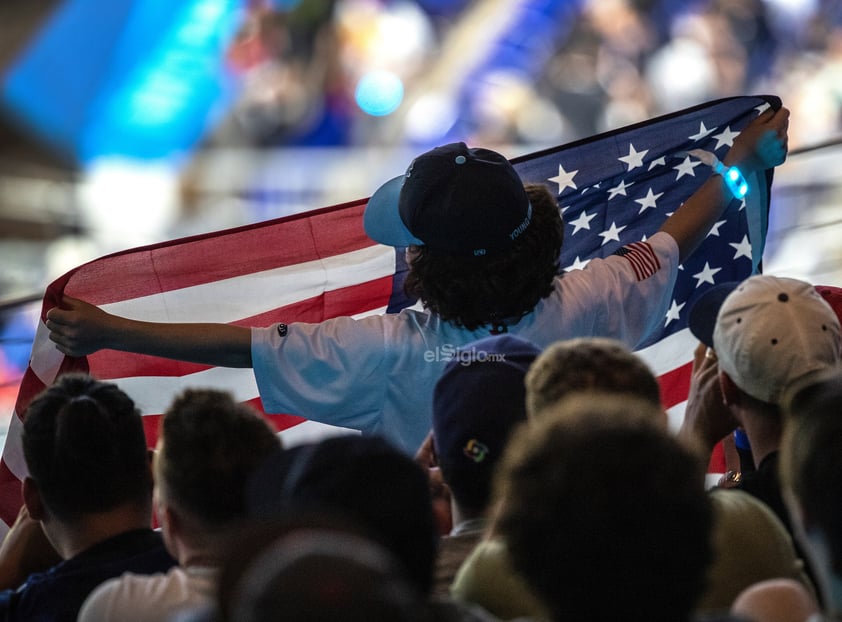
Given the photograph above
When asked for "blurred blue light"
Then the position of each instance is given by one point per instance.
(285, 5)
(143, 80)
(379, 93)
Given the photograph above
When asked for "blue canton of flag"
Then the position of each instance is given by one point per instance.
(617, 188)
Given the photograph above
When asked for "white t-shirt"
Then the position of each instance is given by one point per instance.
(376, 374)
(151, 598)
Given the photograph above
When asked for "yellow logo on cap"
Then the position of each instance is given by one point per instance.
(475, 450)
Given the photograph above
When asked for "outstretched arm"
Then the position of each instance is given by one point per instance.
(760, 146)
(79, 328)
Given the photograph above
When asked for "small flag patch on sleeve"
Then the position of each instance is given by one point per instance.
(642, 258)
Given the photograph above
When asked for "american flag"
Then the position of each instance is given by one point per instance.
(614, 189)
(617, 188)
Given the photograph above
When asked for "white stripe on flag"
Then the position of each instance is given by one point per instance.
(232, 299)
(669, 353)
(13, 450)
(45, 359)
(153, 394)
(310, 432)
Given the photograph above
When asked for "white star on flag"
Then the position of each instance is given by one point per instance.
(706, 275)
(635, 157)
(686, 167)
(564, 179)
(594, 187)
(578, 264)
(662, 161)
(714, 230)
(702, 133)
(743, 248)
(674, 312)
(619, 189)
(650, 200)
(725, 137)
(612, 233)
(582, 222)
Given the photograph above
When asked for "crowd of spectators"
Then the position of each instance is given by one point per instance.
(590, 67)
(589, 508)
(591, 495)
(580, 67)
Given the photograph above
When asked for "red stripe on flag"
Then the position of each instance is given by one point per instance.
(30, 386)
(10, 494)
(675, 385)
(212, 257)
(151, 425)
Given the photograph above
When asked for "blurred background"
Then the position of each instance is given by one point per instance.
(136, 121)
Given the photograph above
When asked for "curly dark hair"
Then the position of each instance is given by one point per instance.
(476, 291)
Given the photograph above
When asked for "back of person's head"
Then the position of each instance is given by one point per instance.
(474, 291)
(209, 446)
(772, 333)
(364, 480)
(488, 247)
(477, 401)
(751, 545)
(588, 364)
(605, 513)
(321, 576)
(811, 460)
(85, 448)
(776, 600)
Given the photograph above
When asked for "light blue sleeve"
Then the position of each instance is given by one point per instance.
(332, 372)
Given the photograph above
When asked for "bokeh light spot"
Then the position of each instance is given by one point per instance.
(379, 93)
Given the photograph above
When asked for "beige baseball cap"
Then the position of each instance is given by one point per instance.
(772, 332)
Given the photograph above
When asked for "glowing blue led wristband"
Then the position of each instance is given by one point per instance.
(734, 179)
(737, 184)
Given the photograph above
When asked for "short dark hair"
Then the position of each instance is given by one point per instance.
(811, 463)
(476, 291)
(371, 483)
(601, 508)
(85, 448)
(211, 446)
(588, 364)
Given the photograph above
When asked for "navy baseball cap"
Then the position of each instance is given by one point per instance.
(702, 318)
(453, 199)
(479, 399)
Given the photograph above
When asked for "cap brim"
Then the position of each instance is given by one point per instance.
(702, 317)
(382, 219)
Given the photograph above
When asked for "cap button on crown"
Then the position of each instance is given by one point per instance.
(460, 159)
